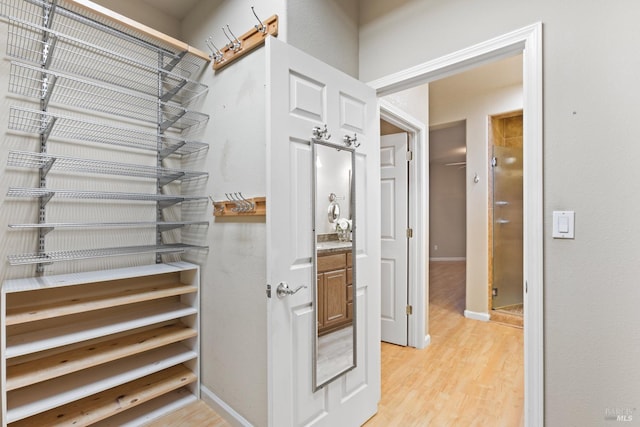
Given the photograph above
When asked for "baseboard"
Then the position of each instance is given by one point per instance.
(484, 317)
(448, 259)
(222, 409)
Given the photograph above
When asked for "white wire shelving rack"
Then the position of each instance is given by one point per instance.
(65, 54)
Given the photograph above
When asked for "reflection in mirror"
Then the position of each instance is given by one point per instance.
(334, 233)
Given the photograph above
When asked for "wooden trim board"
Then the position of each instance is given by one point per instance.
(49, 367)
(137, 26)
(113, 401)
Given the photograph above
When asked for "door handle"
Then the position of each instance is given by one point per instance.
(283, 289)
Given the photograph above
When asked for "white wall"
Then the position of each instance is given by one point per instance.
(475, 110)
(327, 30)
(447, 193)
(590, 166)
(234, 306)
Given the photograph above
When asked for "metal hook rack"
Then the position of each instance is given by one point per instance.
(239, 46)
(238, 205)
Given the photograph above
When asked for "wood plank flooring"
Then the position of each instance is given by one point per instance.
(471, 375)
(197, 414)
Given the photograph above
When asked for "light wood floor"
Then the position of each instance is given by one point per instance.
(472, 373)
(197, 414)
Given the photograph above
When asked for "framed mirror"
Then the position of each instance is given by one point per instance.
(334, 236)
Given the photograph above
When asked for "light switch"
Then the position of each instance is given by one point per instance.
(563, 224)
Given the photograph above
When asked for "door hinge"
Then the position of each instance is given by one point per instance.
(409, 155)
(494, 162)
(409, 310)
(409, 233)
(268, 291)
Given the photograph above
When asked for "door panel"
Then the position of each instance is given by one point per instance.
(394, 198)
(303, 92)
(335, 283)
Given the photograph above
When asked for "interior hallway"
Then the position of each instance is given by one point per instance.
(472, 373)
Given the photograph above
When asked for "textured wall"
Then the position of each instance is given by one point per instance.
(327, 30)
(590, 148)
(234, 271)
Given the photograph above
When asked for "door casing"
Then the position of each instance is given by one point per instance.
(528, 41)
(418, 220)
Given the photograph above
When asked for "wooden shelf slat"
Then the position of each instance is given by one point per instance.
(154, 409)
(113, 401)
(101, 276)
(109, 296)
(95, 327)
(28, 401)
(38, 370)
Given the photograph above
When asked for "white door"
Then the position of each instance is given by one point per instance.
(303, 92)
(394, 177)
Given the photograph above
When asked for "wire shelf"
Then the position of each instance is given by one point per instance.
(59, 256)
(99, 195)
(46, 161)
(60, 126)
(28, 41)
(162, 225)
(79, 22)
(61, 88)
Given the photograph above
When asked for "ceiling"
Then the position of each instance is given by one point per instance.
(481, 79)
(175, 8)
(448, 144)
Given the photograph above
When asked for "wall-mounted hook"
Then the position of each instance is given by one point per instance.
(321, 133)
(216, 55)
(260, 26)
(351, 141)
(240, 202)
(234, 44)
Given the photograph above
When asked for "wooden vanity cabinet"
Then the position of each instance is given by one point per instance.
(335, 284)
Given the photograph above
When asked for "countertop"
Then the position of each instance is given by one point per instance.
(332, 246)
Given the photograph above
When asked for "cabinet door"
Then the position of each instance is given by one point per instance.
(320, 299)
(349, 293)
(335, 293)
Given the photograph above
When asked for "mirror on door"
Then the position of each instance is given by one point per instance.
(334, 235)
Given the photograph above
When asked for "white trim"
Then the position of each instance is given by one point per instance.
(528, 41)
(418, 276)
(448, 259)
(483, 317)
(427, 340)
(222, 409)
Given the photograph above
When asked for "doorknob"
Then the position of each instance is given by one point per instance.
(283, 289)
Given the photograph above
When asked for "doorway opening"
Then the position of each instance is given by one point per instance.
(528, 42)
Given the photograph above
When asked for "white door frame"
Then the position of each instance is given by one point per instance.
(528, 41)
(418, 219)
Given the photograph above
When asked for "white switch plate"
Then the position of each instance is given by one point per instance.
(563, 224)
